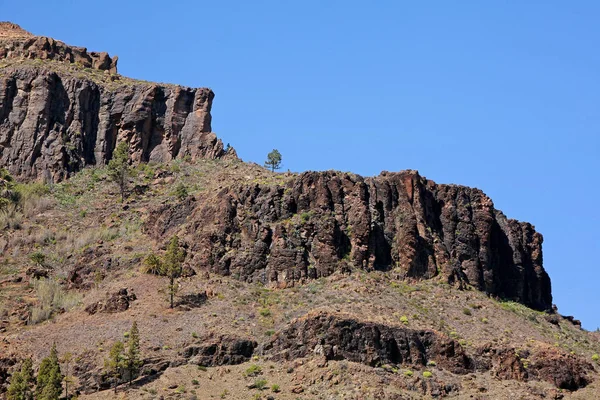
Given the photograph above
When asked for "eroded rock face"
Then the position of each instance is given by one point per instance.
(53, 123)
(565, 371)
(17, 43)
(224, 350)
(322, 222)
(344, 338)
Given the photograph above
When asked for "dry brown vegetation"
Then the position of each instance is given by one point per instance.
(81, 223)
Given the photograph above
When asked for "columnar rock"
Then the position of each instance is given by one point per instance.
(61, 115)
(321, 222)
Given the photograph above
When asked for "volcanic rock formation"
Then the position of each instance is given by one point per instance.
(322, 222)
(56, 118)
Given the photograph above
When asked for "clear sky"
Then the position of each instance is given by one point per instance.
(501, 95)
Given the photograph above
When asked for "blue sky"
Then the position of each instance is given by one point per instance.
(501, 95)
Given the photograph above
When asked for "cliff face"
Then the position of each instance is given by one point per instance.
(322, 222)
(58, 116)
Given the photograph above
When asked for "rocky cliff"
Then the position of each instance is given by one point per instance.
(62, 108)
(318, 223)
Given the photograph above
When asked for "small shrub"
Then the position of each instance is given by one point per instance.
(194, 335)
(404, 319)
(275, 388)
(484, 320)
(427, 374)
(253, 370)
(181, 191)
(596, 358)
(224, 393)
(202, 368)
(195, 382)
(467, 311)
(408, 373)
(432, 363)
(260, 384)
(265, 312)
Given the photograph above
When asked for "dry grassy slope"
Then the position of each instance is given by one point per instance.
(83, 216)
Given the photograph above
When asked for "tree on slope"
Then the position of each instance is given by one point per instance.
(133, 362)
(118, 167)
(115, 363)
(49, 379)
(273, 160)
(21, 382)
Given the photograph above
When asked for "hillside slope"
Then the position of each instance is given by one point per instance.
(319, 285)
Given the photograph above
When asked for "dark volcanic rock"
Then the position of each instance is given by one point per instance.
(564, 370)
(322, 222)
(116, 302)
(54, 121)
(225, 350)
(344, 338)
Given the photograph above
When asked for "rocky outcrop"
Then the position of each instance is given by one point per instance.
(58, 117)
(565, 371)
(12, 31)
(15, 43)
(224, 350)
(118, 301)
(338, 337)
(342, 337)
(54, 123)
(322, 222)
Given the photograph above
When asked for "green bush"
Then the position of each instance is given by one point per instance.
(467, 311)
(596, 358)
(275, 388)
(253, 370)
(427, 374)
(404, 319)
(260, 384)
(408, 373)
(181, 191)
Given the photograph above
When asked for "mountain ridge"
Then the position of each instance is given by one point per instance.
(325, 283)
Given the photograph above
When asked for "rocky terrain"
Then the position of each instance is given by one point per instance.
(323, 285)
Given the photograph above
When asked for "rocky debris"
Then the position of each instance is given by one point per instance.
(116, 302)
(224, 350)
(322, 222)
(192, 300)
(90, 267)
(564, 370)
(53, 123)
(339, 337)
(37, 272)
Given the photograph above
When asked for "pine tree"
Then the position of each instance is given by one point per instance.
(273, 160)
(21, 382)
(172, 266)
(49, 380)
(115, 363)
(118, 167)
(133, 362)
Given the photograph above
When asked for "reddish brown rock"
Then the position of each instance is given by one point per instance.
(55, 121)
(225, 350)
(322, 222)
(116, 302)
(339, 337)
